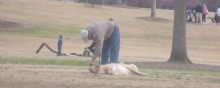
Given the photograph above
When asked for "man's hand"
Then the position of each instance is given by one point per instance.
(92, 62)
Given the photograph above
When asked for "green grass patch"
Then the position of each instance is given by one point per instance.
(44, 61)
(147, 36)
(47, 30)
(179, 73)
(14, 12)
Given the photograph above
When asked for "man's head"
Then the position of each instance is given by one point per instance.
(204, 5)
(110, 19)
(84, 35)
(61, 36)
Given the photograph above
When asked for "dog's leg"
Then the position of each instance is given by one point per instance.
(135, 71)
(133, 66)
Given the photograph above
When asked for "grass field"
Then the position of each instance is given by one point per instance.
(141, 41)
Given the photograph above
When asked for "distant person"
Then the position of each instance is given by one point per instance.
(59, 45)
(204, 12)
(215, 18)
(199, 10)
(218, 15)
(194, 15)
(106, 35)
(188, 15)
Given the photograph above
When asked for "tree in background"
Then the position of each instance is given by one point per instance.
(218, 1)
(179, 48)
(92, 2)
(153, 9)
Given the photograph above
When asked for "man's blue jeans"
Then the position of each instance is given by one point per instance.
(59, 51)
(111, 47)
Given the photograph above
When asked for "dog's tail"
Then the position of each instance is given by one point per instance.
(135, 70)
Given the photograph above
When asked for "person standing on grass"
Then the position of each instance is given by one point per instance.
(106, 35)
(215, 18)
(194, 14)
(199, 13)
(59, 45)
(204, 12)
(218, 15)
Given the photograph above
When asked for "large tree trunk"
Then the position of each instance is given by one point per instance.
(153, 9)
(179, 48)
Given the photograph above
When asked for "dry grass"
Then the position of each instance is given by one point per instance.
(141, 40)
(41, 76)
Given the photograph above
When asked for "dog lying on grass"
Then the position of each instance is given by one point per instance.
(116, 69)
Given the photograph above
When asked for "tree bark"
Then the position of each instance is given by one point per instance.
(153, 9)
(179, 47)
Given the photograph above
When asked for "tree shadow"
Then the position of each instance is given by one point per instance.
(154, 19)
(93, 6)
(176, 65)
(9, 25)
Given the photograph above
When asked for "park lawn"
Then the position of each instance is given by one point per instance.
(141, 41)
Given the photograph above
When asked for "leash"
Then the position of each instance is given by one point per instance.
(99, 61)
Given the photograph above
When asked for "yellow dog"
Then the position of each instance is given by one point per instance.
(116, 69)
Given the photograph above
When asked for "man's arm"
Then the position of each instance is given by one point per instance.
(92, 46)
(98, 47)
(92, 61)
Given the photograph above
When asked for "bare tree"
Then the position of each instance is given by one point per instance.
(153, 9)
(92, 1)
(179, 48)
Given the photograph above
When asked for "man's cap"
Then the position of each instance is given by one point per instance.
(84, 35)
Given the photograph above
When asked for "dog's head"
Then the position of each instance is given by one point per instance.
(94, 69)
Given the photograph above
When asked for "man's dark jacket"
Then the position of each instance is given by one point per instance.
(199, 9)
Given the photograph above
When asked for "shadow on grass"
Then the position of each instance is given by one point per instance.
(44, 61)
(155, 19)
(176, 66)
